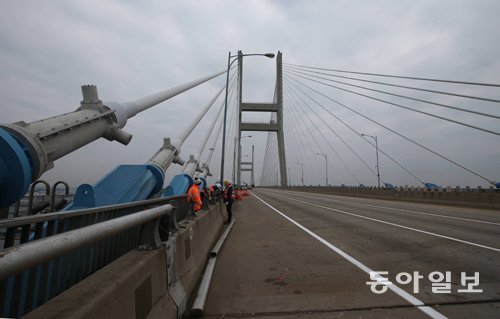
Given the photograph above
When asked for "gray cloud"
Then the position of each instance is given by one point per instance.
(132, 49)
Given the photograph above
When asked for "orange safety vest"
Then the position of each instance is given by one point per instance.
(193, 195)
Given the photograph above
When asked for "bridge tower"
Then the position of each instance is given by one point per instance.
(249, 167)
(272, 126)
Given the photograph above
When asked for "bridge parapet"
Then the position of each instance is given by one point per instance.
(44, 255)
(144, 283)
(458, 196)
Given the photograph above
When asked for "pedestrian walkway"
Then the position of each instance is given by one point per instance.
(269, 268)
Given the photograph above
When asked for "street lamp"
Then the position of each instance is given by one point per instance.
(302, 165)
(326, 166)
(229, 63)
(376, 153)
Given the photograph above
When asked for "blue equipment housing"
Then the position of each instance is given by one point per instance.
(125, 184)
(180, 185)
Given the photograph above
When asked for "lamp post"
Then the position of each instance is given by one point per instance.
(326, 166)
(252, 179)
(229, 63)
(302, 165)
(376, 154)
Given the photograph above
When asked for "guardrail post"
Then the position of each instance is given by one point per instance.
(149, 237)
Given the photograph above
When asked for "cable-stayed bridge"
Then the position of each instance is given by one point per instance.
(330, 131)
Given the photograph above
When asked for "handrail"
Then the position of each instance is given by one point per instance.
(53, 193)
(18, 259)
(20, 221)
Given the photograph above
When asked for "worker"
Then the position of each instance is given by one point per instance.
(218, 191)
(228, 199)
(193, 194)
(211, 193)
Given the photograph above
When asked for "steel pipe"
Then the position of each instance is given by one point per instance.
(134, 107)
(201, 295)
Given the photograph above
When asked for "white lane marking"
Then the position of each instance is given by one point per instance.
(397, 225)
(408, 297)
(398, 209)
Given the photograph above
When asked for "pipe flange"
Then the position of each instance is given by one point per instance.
(15, 170)
(36, 152)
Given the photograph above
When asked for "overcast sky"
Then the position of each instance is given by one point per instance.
(130, 49)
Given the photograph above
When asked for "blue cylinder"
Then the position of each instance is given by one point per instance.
(179, 185)
(15, 170)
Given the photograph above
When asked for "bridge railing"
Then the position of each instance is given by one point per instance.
(44, 255)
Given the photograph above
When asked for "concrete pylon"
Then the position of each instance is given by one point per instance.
(277, 126)
(281, 138)
(249, 167)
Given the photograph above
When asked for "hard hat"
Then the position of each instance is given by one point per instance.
(197, 181)
(226, 182)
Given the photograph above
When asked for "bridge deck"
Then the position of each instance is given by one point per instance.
(271, 268)
(268, 266)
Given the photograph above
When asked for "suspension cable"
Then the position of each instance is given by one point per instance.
(400, 106)
(321, 133)
(359, 134)
(402, 136)
(301, 155)
(400, 76)
(338, 136)
(294, 123)
(404, 96)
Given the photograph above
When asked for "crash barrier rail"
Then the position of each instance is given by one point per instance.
(478, 197)
(46, 254)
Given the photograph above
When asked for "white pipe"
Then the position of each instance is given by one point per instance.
(198, 118)
(201, 295)
(137, 106)
(212, 126)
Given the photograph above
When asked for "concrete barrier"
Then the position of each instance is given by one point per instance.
(144, 284)
(478, 198)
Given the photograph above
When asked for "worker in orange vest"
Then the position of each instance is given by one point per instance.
(193, 194)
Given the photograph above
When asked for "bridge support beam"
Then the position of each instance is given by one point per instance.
(277, 126)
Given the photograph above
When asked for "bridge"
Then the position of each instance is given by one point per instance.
(341, 222)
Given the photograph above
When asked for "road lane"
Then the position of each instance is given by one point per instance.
(269, 268)
(385, 247)
(474, 231)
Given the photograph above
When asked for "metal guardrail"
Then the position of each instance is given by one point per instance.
(46, 254)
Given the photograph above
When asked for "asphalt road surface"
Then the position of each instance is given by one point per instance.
(303, 255)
